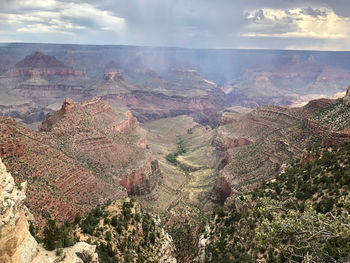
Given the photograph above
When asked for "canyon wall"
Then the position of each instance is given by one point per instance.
(253, 146)
(84, 155)
(17, 245)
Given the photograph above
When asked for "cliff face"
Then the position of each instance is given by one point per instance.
(254, 145)
(151, 105)
(84, 155)
(46, 72)
(16, 243)
(59, 185)
(109, 141)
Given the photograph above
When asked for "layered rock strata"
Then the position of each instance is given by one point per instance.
(79, 159)
(254, 145)
(17, 245)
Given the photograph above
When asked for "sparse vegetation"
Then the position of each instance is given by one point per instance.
(121, 233)
(301, 216)
(185, 231)
(180, 150)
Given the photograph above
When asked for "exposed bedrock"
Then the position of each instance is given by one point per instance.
(83, 155)
(149, 106)
(17, 245)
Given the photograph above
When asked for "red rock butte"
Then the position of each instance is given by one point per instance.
(39, 64)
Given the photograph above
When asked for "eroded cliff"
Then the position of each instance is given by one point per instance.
(254, 145)
(17, 245)
(84, 155)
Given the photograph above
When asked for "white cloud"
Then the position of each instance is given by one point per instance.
(320, 23)
(105, 19)
(27, 4)
(54, 16)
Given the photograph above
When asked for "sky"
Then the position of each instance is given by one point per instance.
(263, 24)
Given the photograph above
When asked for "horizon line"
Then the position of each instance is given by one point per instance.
(171, 47)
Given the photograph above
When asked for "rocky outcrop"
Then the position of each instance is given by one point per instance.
(67, 105)
(17, 245)
(142, 181)
(223, 143)
(202, 243)
(222, 190)
(167, 248)
(127, 125)
(113, 75)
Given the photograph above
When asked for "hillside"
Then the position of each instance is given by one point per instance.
(300, 216)
(16, 242)
(84, 155)
(257, 143)
(122, 232)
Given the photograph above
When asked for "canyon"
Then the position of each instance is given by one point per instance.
(39, 82)
(181, 131)
(156, 83)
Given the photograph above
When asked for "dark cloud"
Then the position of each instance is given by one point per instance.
(259, 15)
(315, 12)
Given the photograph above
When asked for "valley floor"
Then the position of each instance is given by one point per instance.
(186, 186)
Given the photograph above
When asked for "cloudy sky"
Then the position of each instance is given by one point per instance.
(273, 24)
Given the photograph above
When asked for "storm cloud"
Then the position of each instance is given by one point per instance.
(297, 24)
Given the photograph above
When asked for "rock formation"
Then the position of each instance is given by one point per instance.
(254, 145)
(84, 155)
(17, 245)
(36, 82)
(39, 64)
(110, 141)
